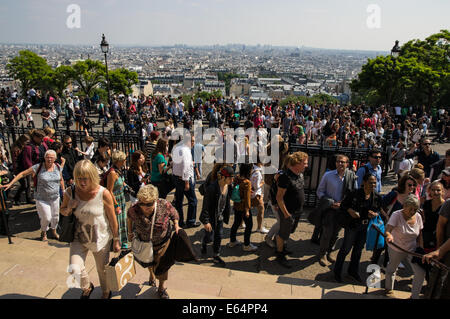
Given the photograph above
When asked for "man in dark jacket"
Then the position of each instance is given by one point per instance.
(332, 188)
(425, 155)
(216, 211)
(72, 157)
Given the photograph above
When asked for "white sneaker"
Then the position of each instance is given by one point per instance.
(231, 244)
(263, 230)
(269, 242)
(250, 247)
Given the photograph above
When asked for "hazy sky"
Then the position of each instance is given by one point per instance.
(334, 24)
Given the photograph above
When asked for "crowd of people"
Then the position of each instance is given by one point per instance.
(415, 211)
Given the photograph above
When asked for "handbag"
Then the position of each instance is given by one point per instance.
(167, 183)
(67, 224)
(373, 238)
(343, 218)
(120, 271)
(142, 250)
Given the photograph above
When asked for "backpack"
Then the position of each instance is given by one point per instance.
(274, 188)
(38, 152)
(104, 177)
(35, 178)
(235, 194)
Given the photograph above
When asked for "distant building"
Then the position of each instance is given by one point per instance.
(211, 86)
(162, 89)
(143, 87)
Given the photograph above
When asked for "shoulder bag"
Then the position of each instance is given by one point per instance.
(67, 224)
(143, 251)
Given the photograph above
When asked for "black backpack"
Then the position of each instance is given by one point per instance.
(274, 188)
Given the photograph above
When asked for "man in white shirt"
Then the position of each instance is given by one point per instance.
(183, 174)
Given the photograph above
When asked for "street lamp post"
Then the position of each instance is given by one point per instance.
(105, 49)
(395, 53)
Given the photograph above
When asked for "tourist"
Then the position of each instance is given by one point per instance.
(405, 230)
(115, 183)
(94, 209)
(290, 199)
(362, 204)
(170, 242)
(48, 177)
(216, 211)
(137, 176)
(242, 207)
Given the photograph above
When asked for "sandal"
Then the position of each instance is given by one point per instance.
(55, 235)
(152, 283)
(163, 294)
(87, 296)
(44, 237)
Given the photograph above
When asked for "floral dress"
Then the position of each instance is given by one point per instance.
(119, 195)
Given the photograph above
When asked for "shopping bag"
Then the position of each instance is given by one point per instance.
(120, 271)
(373, 237)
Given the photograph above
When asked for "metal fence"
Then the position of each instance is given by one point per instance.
(128, 143)
(322, 158)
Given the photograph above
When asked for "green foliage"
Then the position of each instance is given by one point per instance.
(102, 93)
(29, 69)
(420, 75)
(316, 99)
(59, 79)
(208, 95)
(88, 74)
(121, 80)
(227, 77)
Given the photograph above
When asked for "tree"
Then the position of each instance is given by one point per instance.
(316, 99)
(121, 80)
(227, 77)
(29, 69)
(87, 75)
(57, 80)
(419, 76)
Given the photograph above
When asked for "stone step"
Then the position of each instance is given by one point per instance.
(33, 269)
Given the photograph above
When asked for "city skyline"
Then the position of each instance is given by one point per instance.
(335, 25)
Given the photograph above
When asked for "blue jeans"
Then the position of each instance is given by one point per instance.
(191, 197)
(214, 236)
(353, 238)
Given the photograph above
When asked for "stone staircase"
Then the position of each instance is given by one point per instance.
(32, 269)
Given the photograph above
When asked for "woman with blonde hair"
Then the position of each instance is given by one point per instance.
(95, 228)
(419, 175)
(156, 220)
(115, 183)
(405, 230)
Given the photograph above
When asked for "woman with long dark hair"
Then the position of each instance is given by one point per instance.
(137, 174)
(242, 208)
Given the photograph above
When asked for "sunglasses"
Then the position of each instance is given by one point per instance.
(411, 185)
(147, 204)
(376, 157)
(426, 144)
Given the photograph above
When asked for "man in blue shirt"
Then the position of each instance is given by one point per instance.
(372, 167)
(332, 188)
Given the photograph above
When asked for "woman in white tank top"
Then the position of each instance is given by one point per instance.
(95, 228)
